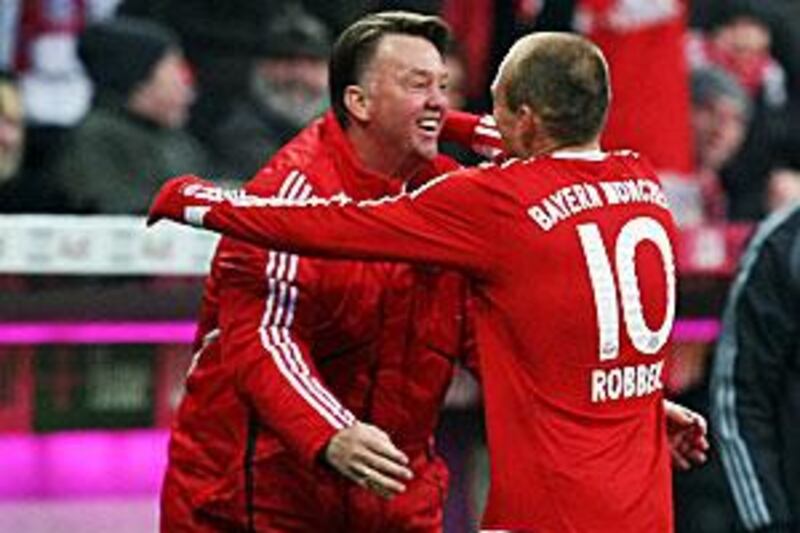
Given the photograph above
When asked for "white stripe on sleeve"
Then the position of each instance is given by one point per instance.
(275, 333)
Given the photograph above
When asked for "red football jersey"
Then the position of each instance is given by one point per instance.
(572, 261)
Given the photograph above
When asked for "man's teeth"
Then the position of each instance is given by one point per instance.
(429, 124)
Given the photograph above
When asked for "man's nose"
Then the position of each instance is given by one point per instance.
(437, 97)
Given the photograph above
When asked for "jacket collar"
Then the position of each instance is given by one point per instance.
(358, 181)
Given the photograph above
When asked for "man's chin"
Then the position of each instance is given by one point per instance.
(427, 151)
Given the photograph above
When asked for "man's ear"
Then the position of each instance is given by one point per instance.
(529, 123)
(356, 102)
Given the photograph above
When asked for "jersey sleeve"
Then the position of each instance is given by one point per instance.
(448, 222)
(759, 336)
(476, 132)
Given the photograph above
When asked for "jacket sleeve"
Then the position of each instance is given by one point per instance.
(448, 222)
(266, 303)
(469, 345)
(760, 334)
(262, 302)
(208, 321)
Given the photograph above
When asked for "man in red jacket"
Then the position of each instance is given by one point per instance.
(570, 253)
(293, 352)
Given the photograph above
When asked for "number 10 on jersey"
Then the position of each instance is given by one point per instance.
(609, 290)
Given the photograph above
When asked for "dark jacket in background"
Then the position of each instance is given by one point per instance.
(114, 162)
(755, 387)
(247, 138)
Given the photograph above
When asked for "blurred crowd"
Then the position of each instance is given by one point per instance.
(102, 100)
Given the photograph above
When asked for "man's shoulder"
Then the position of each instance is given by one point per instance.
(102, 124)
(305, 150)
(613, 165)
(239, 258)
(307, 158)
(786, 220)
(781, 230)
(443, 163)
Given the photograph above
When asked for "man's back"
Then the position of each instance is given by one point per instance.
(576, 310)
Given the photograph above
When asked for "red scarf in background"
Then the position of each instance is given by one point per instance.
(47, 16)
(644, 43)
(473, 25)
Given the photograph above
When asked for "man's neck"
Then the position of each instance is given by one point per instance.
(377, 157)
(548, 146)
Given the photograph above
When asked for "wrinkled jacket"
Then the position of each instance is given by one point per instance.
(291, 349)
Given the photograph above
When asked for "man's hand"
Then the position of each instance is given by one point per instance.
(183, 199)
(366, 455)
(687, 433)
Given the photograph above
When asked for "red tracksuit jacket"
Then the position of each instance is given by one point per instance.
(291, 349)
(573, 266)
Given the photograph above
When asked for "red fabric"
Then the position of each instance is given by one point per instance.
(751, 74)
(17, 388)
(476, 132)
(306, 347)
(302, 499)
(559, 432)
(459, 127)
(40, 17)
(644, 45)
(712, 249)
(472, 22)
(713, 195)
(526, 11)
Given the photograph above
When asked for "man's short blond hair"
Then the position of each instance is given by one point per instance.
(563, 78)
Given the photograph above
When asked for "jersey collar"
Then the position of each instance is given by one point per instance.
(580, 155)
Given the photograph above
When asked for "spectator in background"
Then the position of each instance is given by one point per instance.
(12, 132)
(133, 137)
(720, 110)
(12, 141)
(288, 88)
(9, 31)
(221, 38)
(457, 97)
(719, 115)
(55, 89)
(22, 189)
(456, 66)
(739, 42)
(644, 42)
(39, 41)
(783, 187)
